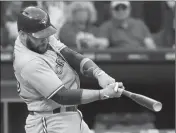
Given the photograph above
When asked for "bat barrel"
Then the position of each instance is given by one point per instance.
(144, 101)
(157, 106)
(147, 102)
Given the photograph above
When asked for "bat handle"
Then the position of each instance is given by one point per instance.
(127, 93)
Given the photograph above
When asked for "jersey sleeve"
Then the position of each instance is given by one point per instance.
(41, 77)
(56, 44)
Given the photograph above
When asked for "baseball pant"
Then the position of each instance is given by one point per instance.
(65, 122)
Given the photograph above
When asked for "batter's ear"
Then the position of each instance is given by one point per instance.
(23, 36)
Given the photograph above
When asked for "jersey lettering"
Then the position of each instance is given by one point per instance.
(59, 66)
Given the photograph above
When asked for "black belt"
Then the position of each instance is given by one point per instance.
(57, 110)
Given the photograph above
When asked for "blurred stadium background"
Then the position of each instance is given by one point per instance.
(148, 72)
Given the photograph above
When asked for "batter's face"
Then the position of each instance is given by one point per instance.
(38, 45)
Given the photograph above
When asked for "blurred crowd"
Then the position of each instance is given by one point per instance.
(100, 24)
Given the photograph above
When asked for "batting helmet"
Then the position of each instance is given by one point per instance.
(35, 21)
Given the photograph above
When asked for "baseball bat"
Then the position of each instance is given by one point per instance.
(144, 100)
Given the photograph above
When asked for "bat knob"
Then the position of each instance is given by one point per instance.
(157, 106)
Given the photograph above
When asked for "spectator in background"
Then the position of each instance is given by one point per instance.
(78, 30)
(122, 31)
(28, 3)
(4, 37)
(11, 12)
(56, 11)
(4, 32)
(103, 12)
(169, 29)
(165, 38)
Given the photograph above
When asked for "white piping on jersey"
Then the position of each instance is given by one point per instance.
(55, 92)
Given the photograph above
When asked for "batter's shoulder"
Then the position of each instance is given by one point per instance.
(56, 44)
(20, 61)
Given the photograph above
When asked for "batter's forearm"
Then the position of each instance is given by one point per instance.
(76, 96)
(89, 96)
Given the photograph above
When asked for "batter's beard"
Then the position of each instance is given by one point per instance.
(32, 47)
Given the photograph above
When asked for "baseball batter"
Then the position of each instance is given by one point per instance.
(45, 70)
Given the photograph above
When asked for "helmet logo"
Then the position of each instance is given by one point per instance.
(26, 14)
(44, 21)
